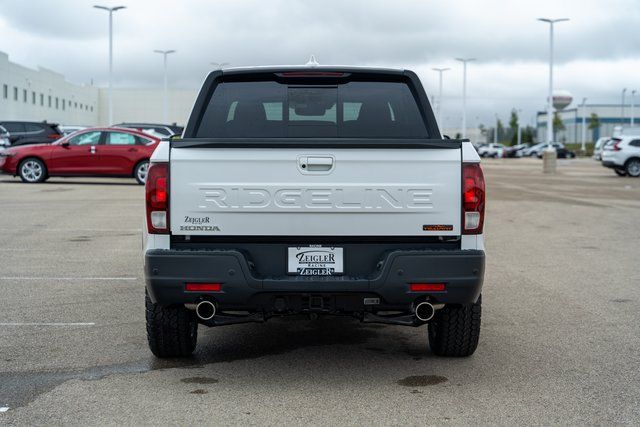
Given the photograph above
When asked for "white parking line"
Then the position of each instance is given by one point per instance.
(4, 408)
(66, 278)
(45, 324)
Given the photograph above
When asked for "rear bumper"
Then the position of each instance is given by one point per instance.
(168, 271)
(611, 164)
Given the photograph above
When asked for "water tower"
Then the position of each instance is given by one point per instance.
(561, 99)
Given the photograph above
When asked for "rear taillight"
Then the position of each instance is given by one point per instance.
(157, 198)
(473, 195)
(616, 146)
(54, 136)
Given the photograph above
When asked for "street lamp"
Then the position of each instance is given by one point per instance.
(220, 65)
(165, 102)
(439, 104)
(624, 91)
(519, 126)
(495, 134)
(551, 22)
(110, 10)
(464, 93)
(584, 123)
(633, 106)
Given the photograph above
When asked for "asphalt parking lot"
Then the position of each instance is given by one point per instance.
(560, 342)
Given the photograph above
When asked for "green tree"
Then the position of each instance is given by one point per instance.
(594, 121)
(557, 124)
(528, 133)
(513, 126)
(500, 130)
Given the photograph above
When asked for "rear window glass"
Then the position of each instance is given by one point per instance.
(268, 109)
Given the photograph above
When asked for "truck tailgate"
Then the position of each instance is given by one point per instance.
(315, 192)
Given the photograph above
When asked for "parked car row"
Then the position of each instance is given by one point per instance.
(622, 154)
(88, 152)
(498, 150)
(14, 132)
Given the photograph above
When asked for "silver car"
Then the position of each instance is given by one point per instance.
(599, 146)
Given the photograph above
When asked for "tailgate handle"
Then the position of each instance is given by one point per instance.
(316, 163)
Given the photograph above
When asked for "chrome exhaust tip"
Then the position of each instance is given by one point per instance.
(205, 310)
(425, 311)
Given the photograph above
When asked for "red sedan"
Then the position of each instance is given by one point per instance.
(89, 152)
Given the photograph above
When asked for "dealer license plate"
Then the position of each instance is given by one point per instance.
(315, 261)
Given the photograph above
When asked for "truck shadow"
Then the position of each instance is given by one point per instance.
(281, 336)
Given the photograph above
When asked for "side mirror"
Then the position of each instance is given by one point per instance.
(64, 143)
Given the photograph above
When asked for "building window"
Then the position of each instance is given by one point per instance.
(49, 101)
(81, 106)
(41, 100)
(24, 95)
(33, 97)
(56, 102)
(75, 104)
(92, 108)
(63, 102)
(5, 91)
(15, 93)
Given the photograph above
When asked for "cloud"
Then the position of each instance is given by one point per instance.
(592, 50)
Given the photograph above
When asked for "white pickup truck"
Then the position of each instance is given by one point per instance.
(314, 191)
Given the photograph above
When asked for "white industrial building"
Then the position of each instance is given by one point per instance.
(609, 117)
(42, 94)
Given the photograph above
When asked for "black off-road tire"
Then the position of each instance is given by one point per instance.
(171, 331)
(454, 330)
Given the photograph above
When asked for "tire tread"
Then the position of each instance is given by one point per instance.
(169, 330)
(455, 330)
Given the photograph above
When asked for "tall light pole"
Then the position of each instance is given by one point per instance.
(220, 65)
(495, 134)
(633, 106)
(624, 91)
(584, 123)
(110, 93)
(165, 101)
(464, 93)
(439, 104)
(551, 22)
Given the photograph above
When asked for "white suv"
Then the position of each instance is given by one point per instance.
(491, 150)
(623, 155)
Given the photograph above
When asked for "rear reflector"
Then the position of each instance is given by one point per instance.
(204, 287)
(427, 287)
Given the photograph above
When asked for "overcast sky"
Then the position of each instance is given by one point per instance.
(597, 52)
